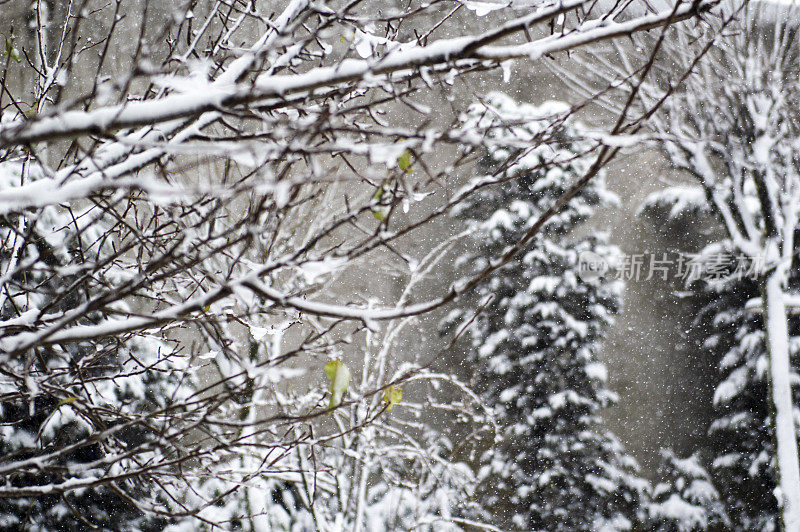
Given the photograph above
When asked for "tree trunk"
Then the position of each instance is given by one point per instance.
(788, 469)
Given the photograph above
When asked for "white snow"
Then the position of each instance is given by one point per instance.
(676, 509)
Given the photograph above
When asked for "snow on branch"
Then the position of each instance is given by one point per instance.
(267, 87)
(203, 211)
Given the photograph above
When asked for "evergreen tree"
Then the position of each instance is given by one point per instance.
(729, 329)
(741, 436)
(120, 379)
(685, 500)
(731, 128)
(535, 344)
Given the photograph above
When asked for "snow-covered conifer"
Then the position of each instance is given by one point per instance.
(729, 330)
(80, 390)
(741, 443)
(731, 127)
(685, 500)
(535, 344)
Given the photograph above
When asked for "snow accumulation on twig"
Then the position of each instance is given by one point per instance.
(72, 123)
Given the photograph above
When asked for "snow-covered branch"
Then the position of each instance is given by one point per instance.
(731, 126)
(185, 200)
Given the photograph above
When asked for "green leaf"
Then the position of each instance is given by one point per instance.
(392, 395)
(12, 52)
(404, 161)
(380, 212)
(66, 401)
(33, 110)
(339, 375)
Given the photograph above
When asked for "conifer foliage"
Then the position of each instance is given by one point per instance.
(535, 345)
(729, 329)
(80, 390)
(732, 129)
(685, 500)
(741, 443)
